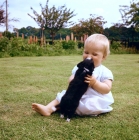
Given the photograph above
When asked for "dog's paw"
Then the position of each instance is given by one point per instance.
(68, 120)
(62, 116)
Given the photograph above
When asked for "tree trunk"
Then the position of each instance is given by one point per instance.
(53, 35)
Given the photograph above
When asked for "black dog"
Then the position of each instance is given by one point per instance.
(77, 87)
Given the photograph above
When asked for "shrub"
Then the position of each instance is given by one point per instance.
(15, 46)
(80, 44)
(117, 48)
(55, 49)
(69, 44)
(4, 44)
(20, 47)
(8, 34)
(115, 45)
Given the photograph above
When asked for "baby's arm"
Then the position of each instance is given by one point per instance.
(71, 78)
(102, 87)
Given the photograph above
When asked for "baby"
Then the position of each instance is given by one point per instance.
(98, 97)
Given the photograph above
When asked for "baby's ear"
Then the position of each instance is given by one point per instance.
(80, 65)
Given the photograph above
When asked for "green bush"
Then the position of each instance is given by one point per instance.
(80, 44)
(15, 46)
(55, 49)
(117, 48)
(8, 34)
(20, 47)
(4, 44)
(69, 44)
(115, 45)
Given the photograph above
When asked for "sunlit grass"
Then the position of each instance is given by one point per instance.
(24, 80)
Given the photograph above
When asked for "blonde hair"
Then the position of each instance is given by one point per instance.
(101, 40)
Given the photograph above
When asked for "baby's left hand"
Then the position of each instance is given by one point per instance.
(91, 80)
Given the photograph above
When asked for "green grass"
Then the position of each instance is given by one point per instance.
(24, 80)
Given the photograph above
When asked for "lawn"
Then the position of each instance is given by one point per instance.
(24, 80)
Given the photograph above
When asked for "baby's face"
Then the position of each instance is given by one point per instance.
(96, 52)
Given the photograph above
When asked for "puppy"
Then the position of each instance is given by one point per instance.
(77, 87)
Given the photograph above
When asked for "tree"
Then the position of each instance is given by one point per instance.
(2, 19)
(130, 15)
(92, 25)
(119, 32)
(4, 16)
(52, 19)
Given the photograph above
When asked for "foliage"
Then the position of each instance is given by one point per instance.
(20, 47)
(25, 80)
(89, 26)
(62, 33)
(2, 19)
(130, 15)
(119, 32)
(117, 48)
(69, 45)
(31, 31)
(80, 44)
(128, 30)
(115, 32)
(8, 34)
(52, 19)
(4, 44)
(115, 45)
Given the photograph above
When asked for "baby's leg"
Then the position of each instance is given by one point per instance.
(45, 110)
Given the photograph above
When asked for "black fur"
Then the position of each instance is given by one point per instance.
(77, 87)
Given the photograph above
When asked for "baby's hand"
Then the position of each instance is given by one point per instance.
(91, 80)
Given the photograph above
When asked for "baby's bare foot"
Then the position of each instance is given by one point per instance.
(43, 110)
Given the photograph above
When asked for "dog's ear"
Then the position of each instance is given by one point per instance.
(80, 65)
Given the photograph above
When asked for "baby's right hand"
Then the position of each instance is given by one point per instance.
(91, 80)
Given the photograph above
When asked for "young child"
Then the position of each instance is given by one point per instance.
(98, 97)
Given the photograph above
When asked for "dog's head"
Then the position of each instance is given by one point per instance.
(86, 66)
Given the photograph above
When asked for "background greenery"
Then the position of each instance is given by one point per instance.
(21, 47)
(24, 80)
